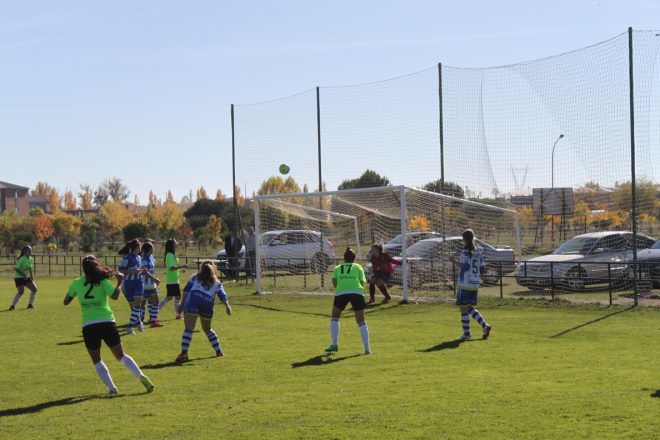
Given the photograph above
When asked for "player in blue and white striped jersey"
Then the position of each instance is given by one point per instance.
(151, 283)
(198, 300)
(131, 267)
(471, 267)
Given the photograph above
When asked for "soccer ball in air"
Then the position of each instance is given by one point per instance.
(284, 169)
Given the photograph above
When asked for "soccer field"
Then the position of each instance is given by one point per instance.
(548, 371)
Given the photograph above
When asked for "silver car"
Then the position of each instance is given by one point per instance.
(294, 250)
(393, 247)
(427, 261)
(593, 258)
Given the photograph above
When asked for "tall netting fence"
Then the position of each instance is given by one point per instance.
(303, 236)
(550, 138)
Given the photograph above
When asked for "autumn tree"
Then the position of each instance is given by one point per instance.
(201, 193)
(115, 189)
(214, 229)
(69, 201)
(419, 223)
(41, 189)
(172, 220)
(53, 200)
(240, 200)
(67, 228)
(86, 195)
(277, 185)
(153, 200)
(219, 195)
(169, 198)
(43, 227)
(113, 216)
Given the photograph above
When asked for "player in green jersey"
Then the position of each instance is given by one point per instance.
(98, 322)
(24, 277)
(349, 280)
(172, 286)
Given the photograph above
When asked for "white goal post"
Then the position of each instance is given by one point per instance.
(302, 236)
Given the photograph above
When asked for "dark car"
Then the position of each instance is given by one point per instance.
(649, 261)
(428, 263)
(393, 247)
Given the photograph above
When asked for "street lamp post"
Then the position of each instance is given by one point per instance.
(552, 174)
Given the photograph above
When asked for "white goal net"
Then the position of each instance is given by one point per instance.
(303, 236)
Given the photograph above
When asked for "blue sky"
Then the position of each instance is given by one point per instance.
(141, 90)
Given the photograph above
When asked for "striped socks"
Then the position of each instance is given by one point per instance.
(186, 339)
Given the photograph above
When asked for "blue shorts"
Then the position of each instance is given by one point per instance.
(149, 292)
(199, 304)
(133, 288)
(466, 297)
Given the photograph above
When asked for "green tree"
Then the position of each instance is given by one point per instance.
(449, 188)
(135, 230)
(368, 179)
(646, 195)
(88, 233)
(67, 228)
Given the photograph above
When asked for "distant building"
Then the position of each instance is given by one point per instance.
(14, 198)
(39, 202)
(522, 201)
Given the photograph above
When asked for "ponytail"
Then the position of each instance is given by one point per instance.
(468, 238)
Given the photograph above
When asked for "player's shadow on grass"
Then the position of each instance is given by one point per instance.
(273, 309)
(175, 364)
(444, 346)
(80, 341)
(656, 394)
(60, 402)
(593, 321)
(322, 359)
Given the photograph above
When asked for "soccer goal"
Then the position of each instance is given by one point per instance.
(303, 236)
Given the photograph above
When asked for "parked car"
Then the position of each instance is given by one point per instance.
(427, 261)
(393, 247)
(592, 258)
(649, 262)
(293, 250)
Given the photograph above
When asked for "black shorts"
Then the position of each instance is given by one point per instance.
(22, 281)
(356, 300)
(173, 290)
(103, 331)
(385, 276)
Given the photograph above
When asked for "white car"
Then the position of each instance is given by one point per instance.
(294, 250)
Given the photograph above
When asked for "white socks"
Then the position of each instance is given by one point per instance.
(364, 334)
(129, 363)
(162, 303)
(104, 374)
(334, 331)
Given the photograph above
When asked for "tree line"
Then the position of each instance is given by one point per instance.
(102, 216)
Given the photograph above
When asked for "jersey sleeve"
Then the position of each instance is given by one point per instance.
(123, 264)
(189, 284)
(108, 288)
(72, 290)
(362, 279)
(220, 291)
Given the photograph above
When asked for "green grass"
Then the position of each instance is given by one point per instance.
(549, 371)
